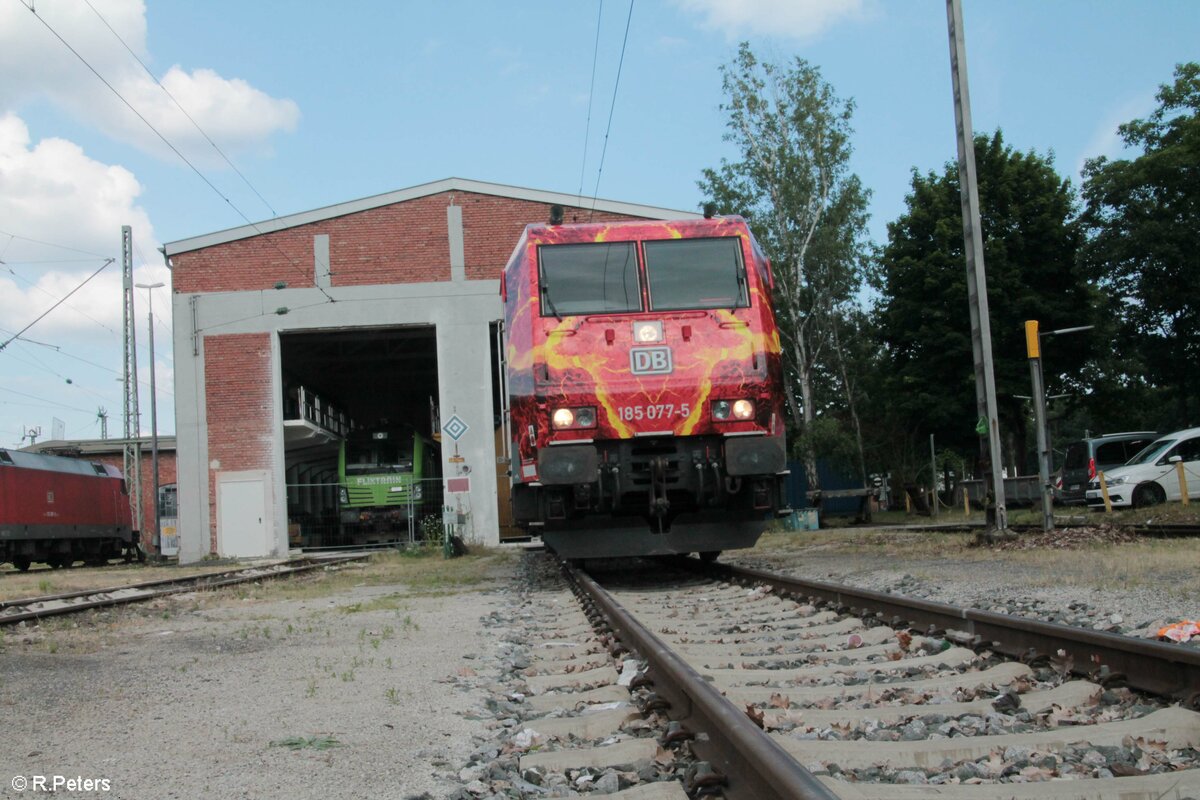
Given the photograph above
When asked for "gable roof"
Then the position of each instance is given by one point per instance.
(412, 193)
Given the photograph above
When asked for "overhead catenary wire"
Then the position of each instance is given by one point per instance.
(173, 148)
(182, 109)
(33, 285)
(57, 348)
(17, 335)
(60, 351)
(612, 106)
(50, 244)
(587, 128)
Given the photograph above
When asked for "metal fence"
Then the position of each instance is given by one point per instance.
(316, 519)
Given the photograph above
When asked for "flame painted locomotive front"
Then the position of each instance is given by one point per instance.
(644, 383)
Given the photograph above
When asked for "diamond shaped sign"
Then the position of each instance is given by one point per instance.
(455, 428)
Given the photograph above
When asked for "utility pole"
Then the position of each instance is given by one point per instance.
(102, 415)
(156, 540)
(988, 426)
(133, 447)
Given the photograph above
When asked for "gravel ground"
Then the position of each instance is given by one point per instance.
(1075, 584)
(371, 690)
(398, 680)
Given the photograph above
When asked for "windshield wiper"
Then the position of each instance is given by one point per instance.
(545, 290)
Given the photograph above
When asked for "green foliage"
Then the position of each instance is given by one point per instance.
(793, 184)
(829, 437)
(433, 531)
(1143, 220)
(1030, 245)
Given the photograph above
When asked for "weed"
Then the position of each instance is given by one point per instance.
(348, 676)
(311, 690)
(392, 696)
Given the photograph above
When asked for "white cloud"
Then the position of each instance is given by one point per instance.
(799, 19)
(33, 62)
(60, 213)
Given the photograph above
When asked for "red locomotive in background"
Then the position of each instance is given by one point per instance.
(644, 387)
(61, 510)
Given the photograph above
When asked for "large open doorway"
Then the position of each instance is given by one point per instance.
(360, 435)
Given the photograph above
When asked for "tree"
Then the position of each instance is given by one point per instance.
(793, 184)
(1143, 249)
(1030, 247)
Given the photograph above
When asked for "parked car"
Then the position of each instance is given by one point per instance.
(1151, 476)
(1086, 457)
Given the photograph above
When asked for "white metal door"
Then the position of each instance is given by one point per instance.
(242, 518)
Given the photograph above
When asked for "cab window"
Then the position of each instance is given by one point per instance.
(591, 278)
(688, 274)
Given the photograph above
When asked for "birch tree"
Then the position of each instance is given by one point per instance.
(793, 183)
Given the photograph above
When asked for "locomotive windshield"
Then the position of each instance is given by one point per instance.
(379, 455)
(599, 278)
(696, 273)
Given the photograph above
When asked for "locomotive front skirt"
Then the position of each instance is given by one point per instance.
(644, 387)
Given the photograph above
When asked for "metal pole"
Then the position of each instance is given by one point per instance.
(933, 475)
(1039, 415)
(156, 540)
(981, 330)
(132, 460)
(154, 429)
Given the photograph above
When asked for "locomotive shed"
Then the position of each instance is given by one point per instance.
(291, 329)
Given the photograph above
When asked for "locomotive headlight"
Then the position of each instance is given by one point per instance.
(743, 409)
(343, 496)
(720, 409)
(580, 417)
(646, 332)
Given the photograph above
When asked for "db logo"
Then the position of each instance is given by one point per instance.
(650, 361)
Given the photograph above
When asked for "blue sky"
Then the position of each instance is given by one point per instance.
(322, 103)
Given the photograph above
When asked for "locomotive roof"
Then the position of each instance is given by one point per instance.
(69, 466)
(587, 231)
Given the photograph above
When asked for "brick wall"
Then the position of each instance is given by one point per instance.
(238, 403)
(492, 225)
(404, 242)
(166, 475)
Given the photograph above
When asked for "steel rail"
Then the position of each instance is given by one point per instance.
(1149, 666)
(148, 590)
(755, 767)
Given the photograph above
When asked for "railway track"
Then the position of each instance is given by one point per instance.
(767, 687)
(14, 611)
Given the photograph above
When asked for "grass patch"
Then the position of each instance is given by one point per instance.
(422, 571)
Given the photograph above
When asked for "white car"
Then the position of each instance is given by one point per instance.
(1152, 476)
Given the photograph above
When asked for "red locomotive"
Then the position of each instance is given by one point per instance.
(60, 510)
(644, 387)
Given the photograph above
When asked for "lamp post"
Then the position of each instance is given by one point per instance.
(150, 287)
(1033, 349)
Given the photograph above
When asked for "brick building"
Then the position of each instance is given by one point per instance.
(381, 307)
